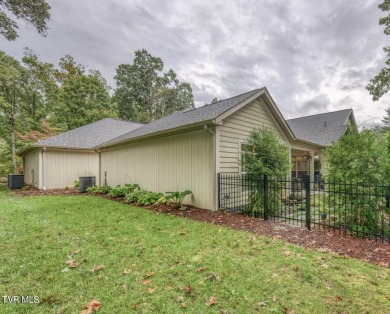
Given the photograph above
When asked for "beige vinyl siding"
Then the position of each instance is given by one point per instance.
(236, 128)
(172, 163)
(31, 164)
(62, 168)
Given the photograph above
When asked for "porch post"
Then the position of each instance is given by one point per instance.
(311, 169)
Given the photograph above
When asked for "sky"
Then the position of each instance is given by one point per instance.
(313, 56)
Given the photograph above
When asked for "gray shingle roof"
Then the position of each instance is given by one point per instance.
(183, 118)
(321, 128)
(90, 135)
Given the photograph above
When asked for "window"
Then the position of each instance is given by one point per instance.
(242, 147)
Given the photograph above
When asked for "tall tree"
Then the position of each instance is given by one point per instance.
(41, 86)
(386, 121)
(35, 12)
(81, 98)
(12, 91)
(145, 93)
(380, 84)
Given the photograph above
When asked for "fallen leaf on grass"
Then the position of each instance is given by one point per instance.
(211, 301)
(72, 263)
(91, 306)
(339, 298)
(149, 275)
(188, 289)
(150, 290)
(180, 299)
(183, 304)
(262, 303)
(127, 271)
(214, 277)
(274, 298)
(66, 269)
(70, 254)
(198, 270)
(99, 267)
(146, 282)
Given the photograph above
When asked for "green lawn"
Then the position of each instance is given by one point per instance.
(245, 273)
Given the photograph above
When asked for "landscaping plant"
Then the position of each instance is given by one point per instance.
(177, 198)
(123, 190)
(142, 197)
(99, 189)
(264, 154)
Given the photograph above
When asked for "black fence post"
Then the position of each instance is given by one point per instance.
(265, 193)
(219, 190)
(307, 186)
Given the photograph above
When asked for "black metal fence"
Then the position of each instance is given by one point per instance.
(357, 209)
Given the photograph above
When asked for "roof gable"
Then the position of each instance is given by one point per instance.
(322, 129)
(183, 118)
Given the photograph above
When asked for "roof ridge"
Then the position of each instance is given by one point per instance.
(256, 89)
(318, 114)
(189, 109)
(121, 120)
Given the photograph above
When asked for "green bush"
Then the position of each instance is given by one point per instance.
(76, 184)
(177, 198)
(99, 189)
(142, 197)
(121, 191)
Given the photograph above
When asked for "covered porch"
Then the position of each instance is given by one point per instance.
(306, 161)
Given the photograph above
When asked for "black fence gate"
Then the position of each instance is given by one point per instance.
(357, 209)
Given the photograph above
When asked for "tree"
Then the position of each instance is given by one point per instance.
(263, 153)
(12, 90)
(358, 157)
(40, 86)
(80, 98)
(386, 121)
(144, 93)
(380, 84)
(34, 12)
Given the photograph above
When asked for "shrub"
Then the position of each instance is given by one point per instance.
(142, 197)
(121, 191)
(177, 198)
(76, 184)
(99, 189)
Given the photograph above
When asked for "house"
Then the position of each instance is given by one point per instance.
(322, 129)
(187, 149)
(58, 161)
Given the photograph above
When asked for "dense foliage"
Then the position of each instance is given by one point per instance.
(358, 169)
(34, 12)
(359, 157)
(38, 100)
(264, 153)
(380, 84)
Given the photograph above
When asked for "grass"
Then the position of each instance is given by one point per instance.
(245, 273)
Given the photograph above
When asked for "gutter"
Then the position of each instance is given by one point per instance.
(189, 128)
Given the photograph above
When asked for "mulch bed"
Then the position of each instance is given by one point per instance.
(364, 249)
